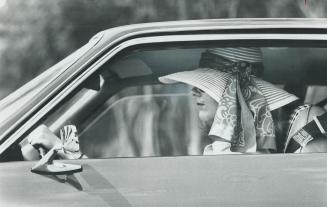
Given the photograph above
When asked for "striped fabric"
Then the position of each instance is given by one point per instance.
(247, 54)
(211, 81)
(214, 82)
(275, 96)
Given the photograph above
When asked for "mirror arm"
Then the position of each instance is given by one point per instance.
(46, 166)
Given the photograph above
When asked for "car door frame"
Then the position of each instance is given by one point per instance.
(88, 70)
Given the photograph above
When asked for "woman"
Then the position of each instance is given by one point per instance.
(235, 104)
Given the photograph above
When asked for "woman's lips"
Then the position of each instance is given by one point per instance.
(200, 104)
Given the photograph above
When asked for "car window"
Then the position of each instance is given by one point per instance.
(145, 121)
(123, 110)
(11, 107)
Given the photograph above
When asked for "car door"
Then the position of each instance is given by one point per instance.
(189, 180)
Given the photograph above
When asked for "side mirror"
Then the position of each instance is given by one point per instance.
(46, 166)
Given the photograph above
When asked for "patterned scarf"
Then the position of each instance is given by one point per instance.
(243, 116)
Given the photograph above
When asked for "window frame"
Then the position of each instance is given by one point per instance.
(31, 123)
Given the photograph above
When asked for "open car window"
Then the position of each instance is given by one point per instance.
(122, 110)
(12, 107)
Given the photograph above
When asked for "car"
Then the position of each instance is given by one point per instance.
(142, 138)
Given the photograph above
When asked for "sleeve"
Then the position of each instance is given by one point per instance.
(299, 118)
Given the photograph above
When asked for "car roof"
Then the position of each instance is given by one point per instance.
(128, 31)
(214, 24)
(114, 36)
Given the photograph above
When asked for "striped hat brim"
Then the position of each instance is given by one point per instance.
(214, 82)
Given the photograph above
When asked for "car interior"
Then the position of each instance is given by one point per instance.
(124, 111)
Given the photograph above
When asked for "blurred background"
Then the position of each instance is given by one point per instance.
(35, 34)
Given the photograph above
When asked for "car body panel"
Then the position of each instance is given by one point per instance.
(230, 180)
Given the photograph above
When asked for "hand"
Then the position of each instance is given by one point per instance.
(29, 152)
(43, 137)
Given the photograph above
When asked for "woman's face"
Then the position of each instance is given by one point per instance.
(206, 105)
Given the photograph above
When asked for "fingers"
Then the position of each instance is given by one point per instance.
(43, 137)
(42, 151)
(29, 152)
(37, 134)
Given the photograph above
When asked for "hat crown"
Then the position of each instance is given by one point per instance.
(227, 59)
(235, 54)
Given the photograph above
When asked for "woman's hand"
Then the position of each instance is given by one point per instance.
(43, 137)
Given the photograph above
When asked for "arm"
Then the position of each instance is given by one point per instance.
(301, 120)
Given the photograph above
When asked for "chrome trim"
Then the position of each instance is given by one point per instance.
(146, 40)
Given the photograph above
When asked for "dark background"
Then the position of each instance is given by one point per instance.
(35, 34)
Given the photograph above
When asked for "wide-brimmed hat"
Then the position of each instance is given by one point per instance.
(212, 75)
(229, 76)
(214, 83)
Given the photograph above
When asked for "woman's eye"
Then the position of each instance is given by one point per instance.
(197, 91)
